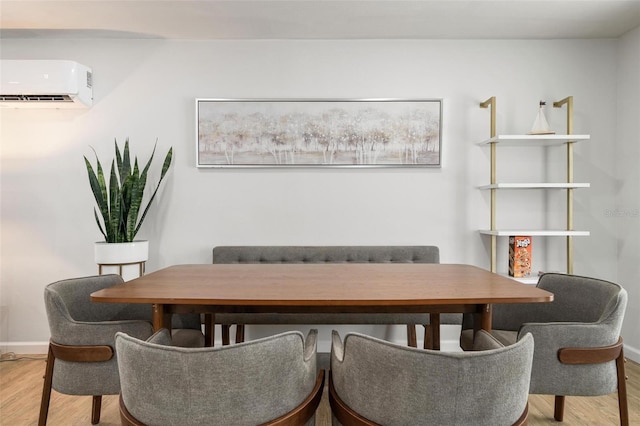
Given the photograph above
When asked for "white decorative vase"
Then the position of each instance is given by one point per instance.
(125, 259)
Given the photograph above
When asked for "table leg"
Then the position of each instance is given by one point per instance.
(411, 335)
(485, 318)
(428, 337)
(482, 319)
(434, 319)
(209, 329)
(239, 333)
(160, 318)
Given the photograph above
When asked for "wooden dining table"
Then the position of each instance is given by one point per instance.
(322, 288)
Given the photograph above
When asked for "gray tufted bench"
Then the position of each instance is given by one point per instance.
(332, 254)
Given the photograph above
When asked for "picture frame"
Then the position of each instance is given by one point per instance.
(318, 132)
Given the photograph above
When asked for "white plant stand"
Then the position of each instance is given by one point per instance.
(125, 259)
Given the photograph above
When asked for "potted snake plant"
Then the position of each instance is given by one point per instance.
(120, 213)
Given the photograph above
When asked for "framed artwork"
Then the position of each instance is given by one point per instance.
(318, 133)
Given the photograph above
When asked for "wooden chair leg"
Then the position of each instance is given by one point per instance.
(595, 356)
(95, 409)
(428, 337)
(73, 354)
(432, 333)
(434, 319)
(225, 334)
(412, 340)
(209, 330)
(558, 412)
(239, 333)
(622, 390)
(46, 389)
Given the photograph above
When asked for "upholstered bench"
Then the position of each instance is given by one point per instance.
(331, 254)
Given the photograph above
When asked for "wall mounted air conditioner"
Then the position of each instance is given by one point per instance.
(45, 84)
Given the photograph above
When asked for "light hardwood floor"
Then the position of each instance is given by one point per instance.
(21, 388)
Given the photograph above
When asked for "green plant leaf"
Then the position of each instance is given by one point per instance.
(165, 168)
(167, 163)
(95, 214)
(136, 192)
(115, 212)
(125, 162)
(99, 190)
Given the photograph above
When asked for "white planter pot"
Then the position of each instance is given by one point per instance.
(125, 259)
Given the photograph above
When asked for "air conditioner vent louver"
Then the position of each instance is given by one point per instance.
(35, 98)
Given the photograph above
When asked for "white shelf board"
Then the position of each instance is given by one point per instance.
(534, 233)
(534, 140)
(528, 280)
(536, 185)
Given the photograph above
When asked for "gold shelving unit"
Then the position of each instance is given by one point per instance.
(568, 139)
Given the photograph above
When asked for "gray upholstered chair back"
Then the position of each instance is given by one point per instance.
(245, 384)
(396, 385)
(575, 299)
(69, 302)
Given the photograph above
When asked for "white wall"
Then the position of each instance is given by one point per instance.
(145, 89)
(627, 212)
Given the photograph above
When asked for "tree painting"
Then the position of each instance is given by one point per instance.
(318, 132)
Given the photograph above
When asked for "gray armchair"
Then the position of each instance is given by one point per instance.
(332, 254)
(81, 359)
(578, 347)
(273, 382)
(374, 382)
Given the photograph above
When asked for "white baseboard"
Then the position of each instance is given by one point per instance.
(632, 353)
(25, 348)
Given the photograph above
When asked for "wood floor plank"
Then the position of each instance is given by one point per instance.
(21, 388)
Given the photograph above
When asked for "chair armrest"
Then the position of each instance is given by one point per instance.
(569, 334)
(98, 333)
(550, 375)
(550, 338)
(311, 344)
(337, 347)
(82, 353)
(590, 355)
